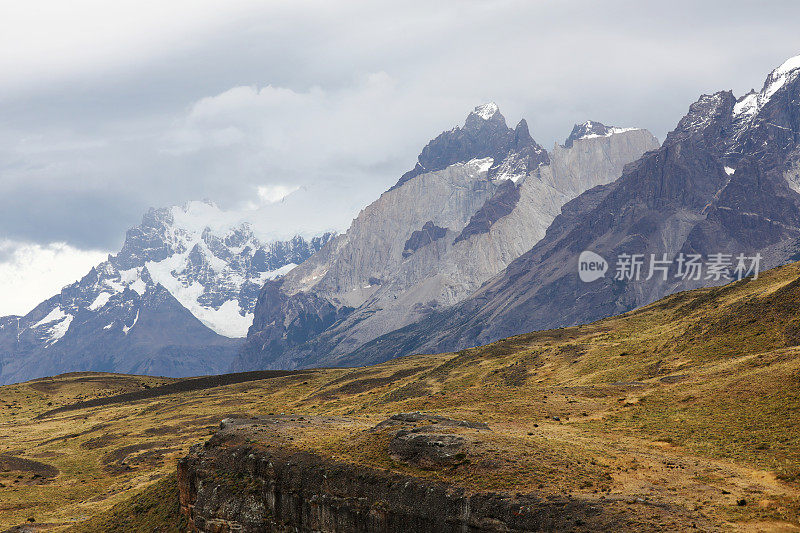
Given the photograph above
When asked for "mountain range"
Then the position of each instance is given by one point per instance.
(479, 197)
(480, 240)
(723, 184)
(725, 181)
(176, 300)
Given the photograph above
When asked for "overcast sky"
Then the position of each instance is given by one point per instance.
(107, 108)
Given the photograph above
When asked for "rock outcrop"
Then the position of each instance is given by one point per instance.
(424, 440)
(244, 489)
(248, 479)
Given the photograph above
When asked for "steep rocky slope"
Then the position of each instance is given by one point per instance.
(174, 301)
(479, 197)
(724, 182)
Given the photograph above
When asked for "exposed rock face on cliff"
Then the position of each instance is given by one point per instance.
(245, 479)
(725, 182)
(174, 301)
(284, 491)
(480, 196)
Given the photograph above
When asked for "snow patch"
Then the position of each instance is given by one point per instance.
(129, 276)
(100, 301)
(228, 320)
(139, 286)
(611, 131)
(780, 76)
(482, 165)
(486, 111)
(729, 171)
(126, 329)
(272, 274)
(60, 324)
(59, 330)
(510, 168)
(55, 315)
(114, 285)
(791, 64)
(747, 105)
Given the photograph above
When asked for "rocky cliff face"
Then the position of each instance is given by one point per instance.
(243, 481)
(724, 182)
(174, 301)
(479, 197)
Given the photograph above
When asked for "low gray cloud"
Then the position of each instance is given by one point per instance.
(317, 94)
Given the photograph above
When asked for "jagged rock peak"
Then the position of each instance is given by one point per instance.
(522, 135)
(483, 116)
(486, 111)
(484, 134)
(591, 129)
(708, 110)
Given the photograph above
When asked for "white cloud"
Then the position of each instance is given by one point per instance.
(41, 40)
(275, 193)
(365, 133)
(112, 107)
(360, 122)
(31, 273)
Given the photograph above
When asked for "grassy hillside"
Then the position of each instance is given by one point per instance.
(693, 401)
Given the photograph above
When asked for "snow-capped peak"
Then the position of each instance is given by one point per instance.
(791, 64)
(592, 129)
(752, 102)
(486, 111)
(780, 75)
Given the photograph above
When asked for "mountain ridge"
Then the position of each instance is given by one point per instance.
(175, 300)
(720, 183)
(366, 282)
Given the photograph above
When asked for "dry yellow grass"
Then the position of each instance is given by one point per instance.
(692, 401)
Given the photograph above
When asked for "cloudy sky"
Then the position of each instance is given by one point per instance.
(107, 108)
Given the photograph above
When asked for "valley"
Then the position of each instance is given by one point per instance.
(681, 414)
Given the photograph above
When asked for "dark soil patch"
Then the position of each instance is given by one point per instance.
(187, 385)
(514, 375)
(674, 378)
(120, 454)
(9, 463)
(363, 385)
(195, 421)
(52, 385)
(125, 458)
(415, 389)
(73, 435)
(102, 441)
